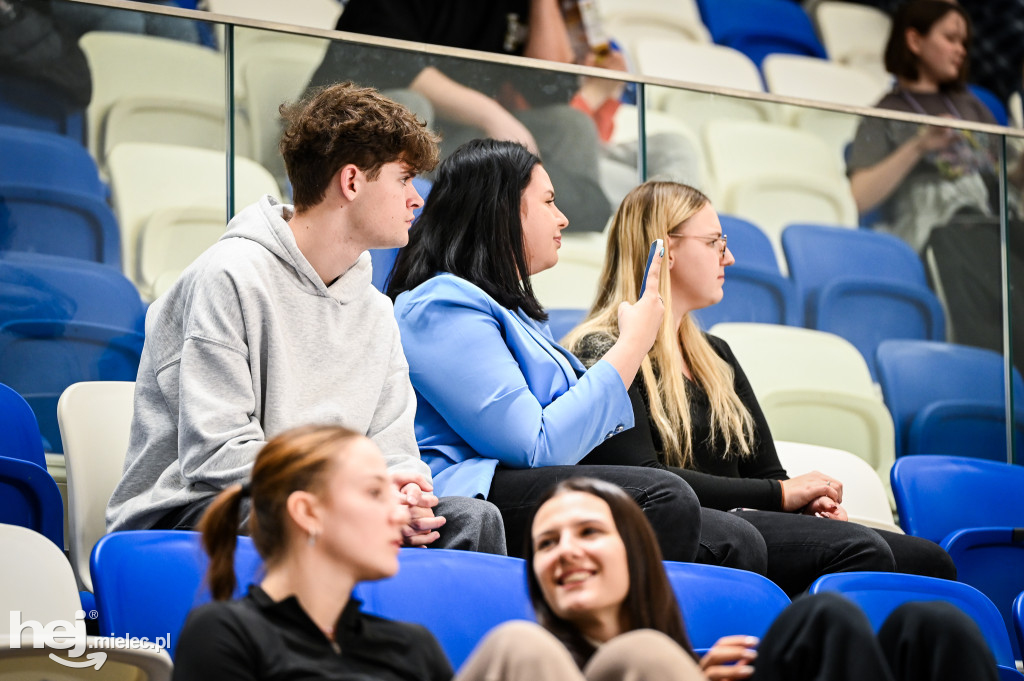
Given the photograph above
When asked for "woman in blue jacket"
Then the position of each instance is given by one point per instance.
(503, 411)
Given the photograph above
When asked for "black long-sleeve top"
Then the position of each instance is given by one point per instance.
(258, 639)
(721, 480)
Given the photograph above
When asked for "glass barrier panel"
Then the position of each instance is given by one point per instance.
(110, 135)
(591, 159)
(1012, 211)
(885, 233)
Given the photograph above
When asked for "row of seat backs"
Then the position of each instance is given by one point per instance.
(947, 398)
(169, 202)
(65, 320)
(879, 593)
(480, 591)
(147, 581)
(54, 200)
(36, 581)
(91, 404)
(864, 286)
(974, 508)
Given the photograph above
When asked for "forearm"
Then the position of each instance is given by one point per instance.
(455, 101)
(871, 186)
(626, 356)
(723, 494)
(549, 38)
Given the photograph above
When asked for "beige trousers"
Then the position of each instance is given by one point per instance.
(524, 651)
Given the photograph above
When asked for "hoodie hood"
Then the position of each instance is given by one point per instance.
(266, 223)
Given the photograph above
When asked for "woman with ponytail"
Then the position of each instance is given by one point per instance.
(324, 517)
(703, 421)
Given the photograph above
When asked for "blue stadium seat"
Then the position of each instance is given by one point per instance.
(147, 581)
(64, 320)
(563, 320)
(25, 103)
(19, 430)
(937, 495)
(718, 601)
(758, 28)
(1018, 619)
(48, 159)
(975, 510)
(864, 286)
(755, 289)
(40, 218)
(752, 295)
(39, 358)
(991, 559)
(29, 498)
(749, 244)
(946, 399)
(38, 286)
(879, 593)
(992, 101)
(463, 610)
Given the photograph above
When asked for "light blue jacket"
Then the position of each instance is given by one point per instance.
(493, 387)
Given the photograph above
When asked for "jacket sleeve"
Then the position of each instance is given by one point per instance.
(393, 425)
(461, 363)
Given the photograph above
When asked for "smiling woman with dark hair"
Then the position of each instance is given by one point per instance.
(503, 411)
(598, 585)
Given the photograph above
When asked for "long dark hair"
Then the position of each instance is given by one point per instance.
(650, 602)
(921, 15)
(297, 459)
(471, 226)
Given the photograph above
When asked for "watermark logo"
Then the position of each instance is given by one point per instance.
(71, 636)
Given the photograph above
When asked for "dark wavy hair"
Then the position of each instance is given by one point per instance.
(471, 226)
(921, 15)
(650, 602)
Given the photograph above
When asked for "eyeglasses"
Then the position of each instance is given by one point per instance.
(709, 240)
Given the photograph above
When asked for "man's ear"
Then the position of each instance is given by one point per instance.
(350, 180)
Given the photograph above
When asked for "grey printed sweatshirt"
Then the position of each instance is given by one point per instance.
(248, 343)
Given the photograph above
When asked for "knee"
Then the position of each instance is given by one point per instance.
(730, 541)
(526, 636)
(518, 649)
(674, 512)
(676, 491)
(642, 654)
(471, 525)
(863, 549)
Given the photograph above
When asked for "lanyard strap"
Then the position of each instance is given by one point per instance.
(916, 106)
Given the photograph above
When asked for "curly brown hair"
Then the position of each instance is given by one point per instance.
(345, 123)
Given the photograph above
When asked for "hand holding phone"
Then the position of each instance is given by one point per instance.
(657, 246)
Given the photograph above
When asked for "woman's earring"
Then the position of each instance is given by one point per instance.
(312, 537)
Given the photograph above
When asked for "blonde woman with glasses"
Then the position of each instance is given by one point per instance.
(704, 423)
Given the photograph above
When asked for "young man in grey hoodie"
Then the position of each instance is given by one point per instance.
(278, 325)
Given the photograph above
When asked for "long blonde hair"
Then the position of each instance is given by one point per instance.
(647, 213)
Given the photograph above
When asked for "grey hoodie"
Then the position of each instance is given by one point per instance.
(248, 343)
